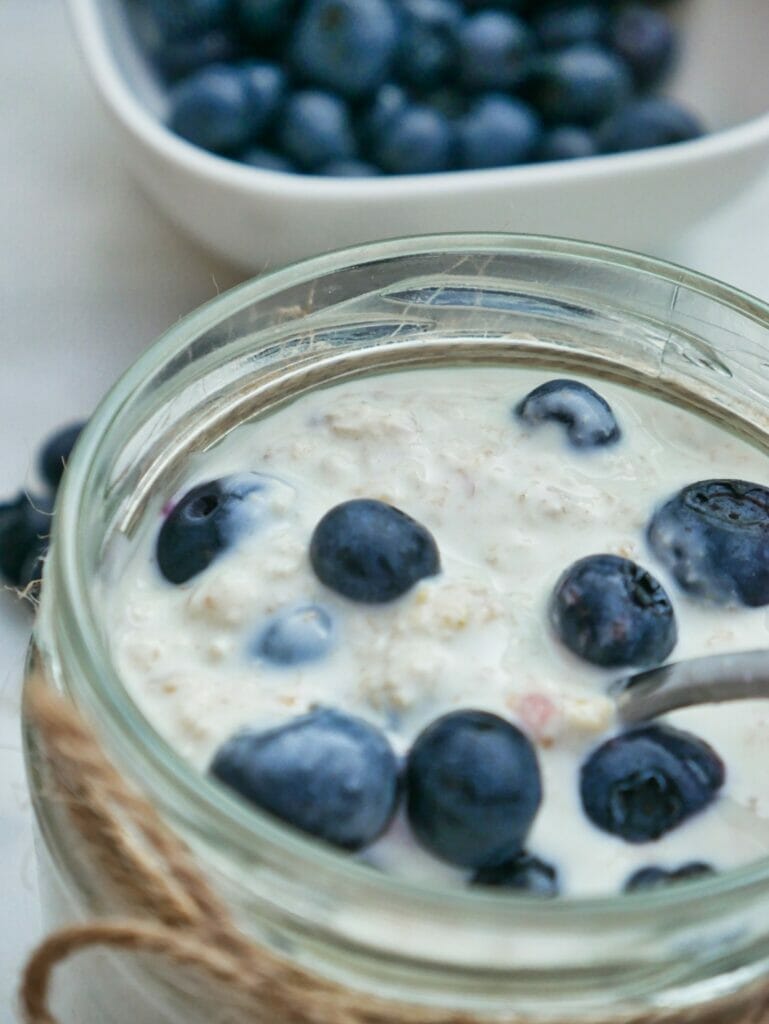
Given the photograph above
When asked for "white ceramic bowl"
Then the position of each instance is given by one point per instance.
(258, 218)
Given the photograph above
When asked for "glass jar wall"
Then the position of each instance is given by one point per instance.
(468, 956)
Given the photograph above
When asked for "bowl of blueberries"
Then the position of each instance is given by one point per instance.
(272, 130)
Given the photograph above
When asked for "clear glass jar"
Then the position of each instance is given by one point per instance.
(490, 299)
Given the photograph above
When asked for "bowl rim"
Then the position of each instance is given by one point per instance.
(138, 120)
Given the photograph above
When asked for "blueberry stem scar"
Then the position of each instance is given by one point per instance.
(743, 675)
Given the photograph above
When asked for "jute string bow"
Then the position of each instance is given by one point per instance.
(175, 915)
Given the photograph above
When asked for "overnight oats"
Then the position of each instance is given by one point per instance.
(342, 575)
(389, 614)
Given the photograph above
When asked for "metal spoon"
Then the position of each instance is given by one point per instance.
(710, 680)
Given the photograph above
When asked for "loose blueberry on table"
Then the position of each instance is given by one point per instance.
(462, 68)
(25, 524)
(25, 521)
(55, 453)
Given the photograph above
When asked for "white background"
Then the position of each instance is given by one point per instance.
(90, 273)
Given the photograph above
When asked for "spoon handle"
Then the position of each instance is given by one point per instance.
(709, 680)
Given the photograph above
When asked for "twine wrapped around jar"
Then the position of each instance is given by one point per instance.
(176, 915)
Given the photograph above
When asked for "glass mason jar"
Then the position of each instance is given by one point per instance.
(696, 953)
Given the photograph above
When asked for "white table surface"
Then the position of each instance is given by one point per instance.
(90, 273)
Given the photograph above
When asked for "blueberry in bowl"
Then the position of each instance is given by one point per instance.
(586, 417)
(645, 124)
(496, 131)
(647, 41)
(642, 784)
(370, 552)
(524, 873)
(611, 612)
(296, 636)
(428, 42)
(494, 47)
(567, 24)
(654, 877)
(473, 789)
(583, 84)
(211, 109)
(207, 521)
(315, 129)
(713, 536)
(327, 773)
(345, 46)
(416, 140)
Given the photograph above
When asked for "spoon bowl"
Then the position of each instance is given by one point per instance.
(713, 679)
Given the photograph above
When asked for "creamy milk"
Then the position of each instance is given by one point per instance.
(510, 507)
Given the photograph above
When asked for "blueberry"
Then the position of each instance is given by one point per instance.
(179, 58)
(613, 613)
(207, 521)
(515, 6)
(713, 536)
(473, 788)
(427, 52)
(656, 878)
(184, 18)
(497, 131)
(494, 47)
(31, 572)
(388, 101)
(580, 85)
(55, 453)
(265, 87)
(524, 872)
(297, 636)
(257, 156)
(211, 109)
(568, 24)
(315, 129)
(566, 142)
(448, 101)
(371, 552)
(25, 522)
(349, 169)
(264, 19)
(646, 40)
(587, 418)
(648, 123)
(327, 773)
(346, 45)
(417, 140)
(642, 784)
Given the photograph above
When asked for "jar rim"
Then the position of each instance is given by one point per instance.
(216, 809)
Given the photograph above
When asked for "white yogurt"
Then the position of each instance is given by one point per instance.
(510, 507)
